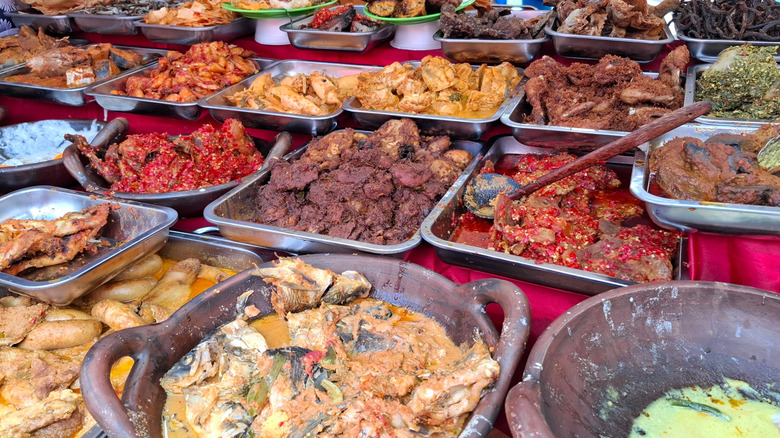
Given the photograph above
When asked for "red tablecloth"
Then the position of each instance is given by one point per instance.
(752, 261)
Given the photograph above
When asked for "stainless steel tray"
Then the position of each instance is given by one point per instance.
(51, 172)
(193, 35)
(233, 211)
(439, 225)
(690, 97)
(702, 216)
(106, 24)
(66, 96)
(221, 109)
(595, 47)
(133, 230)
(477, 51)
(708, 50)
(59, 24)
(142, 105)
(455, 127)
(325, 40)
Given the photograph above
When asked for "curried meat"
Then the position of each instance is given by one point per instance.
(375, 188)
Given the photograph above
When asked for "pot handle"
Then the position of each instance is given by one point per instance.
(523, 411)
(516, 329)
(99, 395)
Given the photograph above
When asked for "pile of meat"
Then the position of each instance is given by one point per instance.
(612, 95)
(614, 18)
(722, 168)
(495, 24)
(159, 163)
(30, 243)
(375, 188)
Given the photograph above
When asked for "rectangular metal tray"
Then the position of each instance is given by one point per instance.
(690, 97)
(59, 24)
(595, 47)
(142, 105)
(441, 222)
(708, 50)
(477, 51)
(134, 230)
(106, 24)
(694, 215)
(67, 96)
(454, 127)
(221, 109)
(193, 35)
(325, 40)
(232, 213)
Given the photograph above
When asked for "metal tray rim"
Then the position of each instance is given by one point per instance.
(555, 34)
(438, 36)
(190, 28)
(288, 27)
(120, 17)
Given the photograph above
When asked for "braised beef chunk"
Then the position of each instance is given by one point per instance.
(376, 188)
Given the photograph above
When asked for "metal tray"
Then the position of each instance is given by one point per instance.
(595, 47)
(326, 40)
(106, 24)
(455, 127)
(690, 97)
(477, 51)
(713, 217)
(133, 231)
(142, 105)
(221, 109)
(50, 172)
(232, 213)
(193, 35)
(66, 96)
(708, 50)
(439, 225)
(59, 24)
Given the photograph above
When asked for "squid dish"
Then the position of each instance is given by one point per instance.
(328, 364)
(611, 95)
(42, 346)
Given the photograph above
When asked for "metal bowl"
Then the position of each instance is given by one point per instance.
(50, 172)
(326, 40)
(155, 349)
(132, 231)
(188, 203)
(596, 367)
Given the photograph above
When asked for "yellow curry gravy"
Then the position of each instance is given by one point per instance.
(716, 412)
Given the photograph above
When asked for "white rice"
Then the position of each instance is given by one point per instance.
(35, 142)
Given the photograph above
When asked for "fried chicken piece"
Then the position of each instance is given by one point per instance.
(673, 65)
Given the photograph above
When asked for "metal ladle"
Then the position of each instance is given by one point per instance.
(482, 191)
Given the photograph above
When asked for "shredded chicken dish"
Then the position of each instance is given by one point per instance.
(375, 188)
(438, 87)
(612, 95)
(343, 367)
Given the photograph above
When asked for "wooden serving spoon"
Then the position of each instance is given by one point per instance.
(482, 191)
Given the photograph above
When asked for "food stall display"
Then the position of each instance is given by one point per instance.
(394, 191)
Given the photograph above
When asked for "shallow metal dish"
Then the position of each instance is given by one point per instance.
(60, 24)
(221, 109)
(439, 225)
(455, 127)
(143, 105)
(133, 231)
(477, 51)
(233, 214)
(188, 203)
(192, 35)
(595, 47)
(598, 366)
(326, 40)
(708, 50)
(683, 215)
(50, 172)
(460, 309)
(66, 96)
(690, 96)
(106, 24)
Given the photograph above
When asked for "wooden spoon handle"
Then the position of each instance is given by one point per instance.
(109, 132)
(641, 135)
